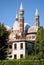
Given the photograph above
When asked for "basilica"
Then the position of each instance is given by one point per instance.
(21, 40)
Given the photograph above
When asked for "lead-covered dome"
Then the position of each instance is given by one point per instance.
(16, 25)
(33, 29)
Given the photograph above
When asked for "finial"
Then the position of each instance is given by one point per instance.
(21, 6)
(36, 13)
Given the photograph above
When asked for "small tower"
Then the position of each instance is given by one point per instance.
(37, 18)
(17, 16)
(21, 19)
(16, 23)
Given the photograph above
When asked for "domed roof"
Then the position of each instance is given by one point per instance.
(32, 29)
(12, 36)
(26, 27)
(16, 25)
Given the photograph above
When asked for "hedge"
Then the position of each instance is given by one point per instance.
(22, 62)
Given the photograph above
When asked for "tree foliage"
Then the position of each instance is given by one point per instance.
(39, 42)
(3, 41)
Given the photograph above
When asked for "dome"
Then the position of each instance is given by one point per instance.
(12, 35)
(26, 27)
(32, 29)
(16, 25)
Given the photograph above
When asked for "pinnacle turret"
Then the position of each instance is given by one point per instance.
(36, 13)
(17, 15)
(21, 6)
(37, 23)
(16, 23)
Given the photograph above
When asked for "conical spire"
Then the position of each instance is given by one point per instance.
(21, 6)
(16, 15)
(36, 13)
(16, 23)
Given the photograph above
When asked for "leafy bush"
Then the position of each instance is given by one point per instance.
(0, 62)
(22, 62)
(33, 57)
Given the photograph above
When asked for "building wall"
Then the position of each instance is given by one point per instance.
(31, 37)
(18, 51)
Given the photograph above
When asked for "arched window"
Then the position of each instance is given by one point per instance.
(15, 46)
(21, 56)
(33, 37)
(10, 46)
(15, 56)
(21, 46)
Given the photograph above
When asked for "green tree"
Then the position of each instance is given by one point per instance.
(39, 43)
(3, 41)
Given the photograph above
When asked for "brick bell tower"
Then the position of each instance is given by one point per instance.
(21, 19)
(37, 23)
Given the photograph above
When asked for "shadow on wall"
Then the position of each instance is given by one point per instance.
(29, 47)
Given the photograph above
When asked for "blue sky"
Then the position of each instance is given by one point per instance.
(8, 10)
